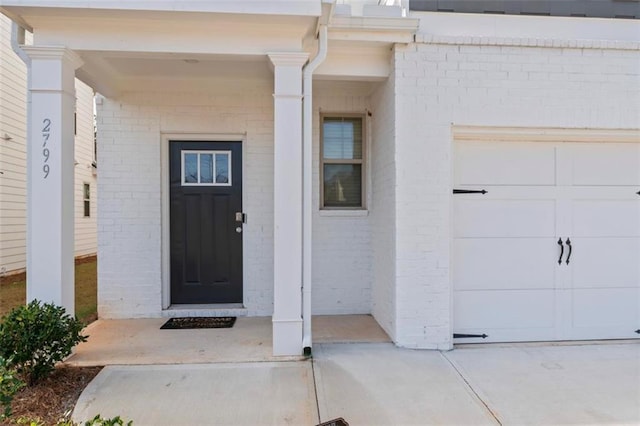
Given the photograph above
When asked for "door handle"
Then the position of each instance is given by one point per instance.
(561, 251)
(570, 249)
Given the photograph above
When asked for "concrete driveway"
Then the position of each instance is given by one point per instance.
(379, 384)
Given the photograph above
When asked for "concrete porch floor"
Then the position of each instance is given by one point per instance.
(379, 384)
(141, 342)
(229, 377)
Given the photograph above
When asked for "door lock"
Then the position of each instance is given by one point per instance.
(239, 229)
(241, 217)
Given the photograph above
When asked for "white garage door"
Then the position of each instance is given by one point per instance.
(552, 250)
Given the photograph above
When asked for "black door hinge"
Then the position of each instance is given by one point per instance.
(638, 331)
(469, 191)
(469, 336)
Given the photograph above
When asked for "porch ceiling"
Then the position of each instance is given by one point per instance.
(124, 48)
(141, 47)
(111, 73)
(191, 66)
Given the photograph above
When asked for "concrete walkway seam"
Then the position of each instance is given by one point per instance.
(315, 387)
(471, 388)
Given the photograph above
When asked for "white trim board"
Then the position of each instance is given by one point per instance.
(544, 134)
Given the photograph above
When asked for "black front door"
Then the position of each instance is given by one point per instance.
(206, 237)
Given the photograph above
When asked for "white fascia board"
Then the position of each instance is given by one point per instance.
(526, 27)
(376, 29)
(228, 34)
(15, 18)
(544, 134)
(259, 7)
(369, 62)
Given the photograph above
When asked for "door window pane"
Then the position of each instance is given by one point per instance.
(222, 168)
(342, 185)
(206, 168)
(190, 168)
(342, 138)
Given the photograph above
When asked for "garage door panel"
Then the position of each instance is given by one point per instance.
(498, 263)
(605, 308)
(606, 218)
(606, 164)
(499, 218)
(505, 163)
(605, 263)
(507, 282)
(519, 309)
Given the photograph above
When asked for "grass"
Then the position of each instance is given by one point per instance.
(54, 398)
(13, 291)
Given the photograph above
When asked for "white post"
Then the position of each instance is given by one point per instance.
(287, 269)
(50, 175)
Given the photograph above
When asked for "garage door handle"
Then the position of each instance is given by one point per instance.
(570, 248)
(561, 251)
(470, 191)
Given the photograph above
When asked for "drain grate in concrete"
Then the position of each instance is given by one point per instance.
(335, 422)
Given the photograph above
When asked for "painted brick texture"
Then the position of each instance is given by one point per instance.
(129, 191)
(342, 251)
(130, 198)
(383, 206)
(438, 85)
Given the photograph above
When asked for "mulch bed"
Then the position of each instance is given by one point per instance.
(53, 398)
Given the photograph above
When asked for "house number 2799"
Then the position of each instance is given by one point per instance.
(46, 129)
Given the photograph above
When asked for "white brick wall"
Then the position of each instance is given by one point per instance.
(129, 224)
(383, 208)
(342, 251)
(475, 84)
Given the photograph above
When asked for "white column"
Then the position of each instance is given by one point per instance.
(287, 270)
(50, 175)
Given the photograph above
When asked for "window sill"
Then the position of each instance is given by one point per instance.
(344, 213)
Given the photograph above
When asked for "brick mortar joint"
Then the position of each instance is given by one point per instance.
(527, 42)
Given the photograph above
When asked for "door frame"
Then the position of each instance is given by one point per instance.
(474, 133)
(166, 138)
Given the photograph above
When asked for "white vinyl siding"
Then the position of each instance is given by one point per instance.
(13, 214)
(85, 226)
(13, 158)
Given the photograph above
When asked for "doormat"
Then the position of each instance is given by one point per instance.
(198, 322)
(335, 422)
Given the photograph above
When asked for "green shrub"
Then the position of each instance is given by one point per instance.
(29, 422)
(10, 384)
(99, 421)
(36, 336)
(96, 421)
